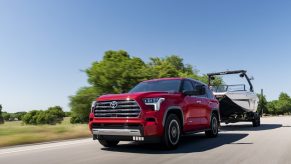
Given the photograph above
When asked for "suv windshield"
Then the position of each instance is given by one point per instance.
(159, 85)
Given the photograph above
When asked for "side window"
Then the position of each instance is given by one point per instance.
(187, 86)
(206, 92)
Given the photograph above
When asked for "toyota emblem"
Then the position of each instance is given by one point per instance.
(113, 104)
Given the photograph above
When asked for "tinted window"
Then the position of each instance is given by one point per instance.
(159, 85)
(195, 84)
(187, 86)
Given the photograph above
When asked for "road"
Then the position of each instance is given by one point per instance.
(237, 143)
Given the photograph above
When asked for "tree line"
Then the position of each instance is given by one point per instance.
(280, 106)
(52, 116)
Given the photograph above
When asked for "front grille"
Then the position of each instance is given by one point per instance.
(117, 108)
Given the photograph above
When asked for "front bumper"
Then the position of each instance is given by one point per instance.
(148, 125)
(147, 139)
(126, 131)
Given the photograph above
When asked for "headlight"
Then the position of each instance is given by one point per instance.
(156, 102)
(93, 106)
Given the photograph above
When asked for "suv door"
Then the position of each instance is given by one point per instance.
(209, 102)
(191, 108)
(203, 103)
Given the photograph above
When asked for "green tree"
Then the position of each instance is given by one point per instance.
(68, 114)
(171, 66)
(6, 116)
(57, 111)
(272, 107)
(262, 105)
(280, 106)
(52, 115)
(27, 118)
(19, 115)
(284, 103)
(81, 103)
(116, 73)
(41, 118)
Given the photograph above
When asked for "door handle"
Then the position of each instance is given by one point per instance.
(198, 102)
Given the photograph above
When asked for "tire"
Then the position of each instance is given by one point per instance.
(107, 143)
(257, 121)
(172, 132)
(214, 125)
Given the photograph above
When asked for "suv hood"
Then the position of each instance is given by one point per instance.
(134, 96)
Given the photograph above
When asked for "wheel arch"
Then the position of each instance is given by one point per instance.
(216, 112)
(174, 110)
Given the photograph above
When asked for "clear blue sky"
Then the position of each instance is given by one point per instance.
(45, 44)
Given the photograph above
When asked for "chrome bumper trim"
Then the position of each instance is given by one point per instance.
(117, 132)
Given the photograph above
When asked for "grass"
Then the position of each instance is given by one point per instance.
(15, 133)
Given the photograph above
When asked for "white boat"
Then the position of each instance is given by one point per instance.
(237, 102)
(247, 100)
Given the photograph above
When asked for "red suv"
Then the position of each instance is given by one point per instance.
(159, 110)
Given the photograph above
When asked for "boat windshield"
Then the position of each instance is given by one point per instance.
(228, 88)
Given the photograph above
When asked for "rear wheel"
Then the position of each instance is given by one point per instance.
(172, 132)
(107, 143)
(213, 132)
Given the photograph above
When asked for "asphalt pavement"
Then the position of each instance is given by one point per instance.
(238, 143)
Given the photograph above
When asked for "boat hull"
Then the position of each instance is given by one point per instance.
(236, 103)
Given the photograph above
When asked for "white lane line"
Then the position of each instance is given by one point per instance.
(42, 146)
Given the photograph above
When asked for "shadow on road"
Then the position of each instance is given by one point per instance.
(188, 144)
(245, 127)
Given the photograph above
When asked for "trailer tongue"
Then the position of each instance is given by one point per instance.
(237, 103)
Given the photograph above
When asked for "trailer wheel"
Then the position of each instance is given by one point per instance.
(256, 121)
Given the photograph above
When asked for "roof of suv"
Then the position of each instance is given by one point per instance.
(174, 78)
(168, 78)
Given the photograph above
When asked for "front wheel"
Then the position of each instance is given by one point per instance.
(172, 132)
(213, 131)
(107, 143)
